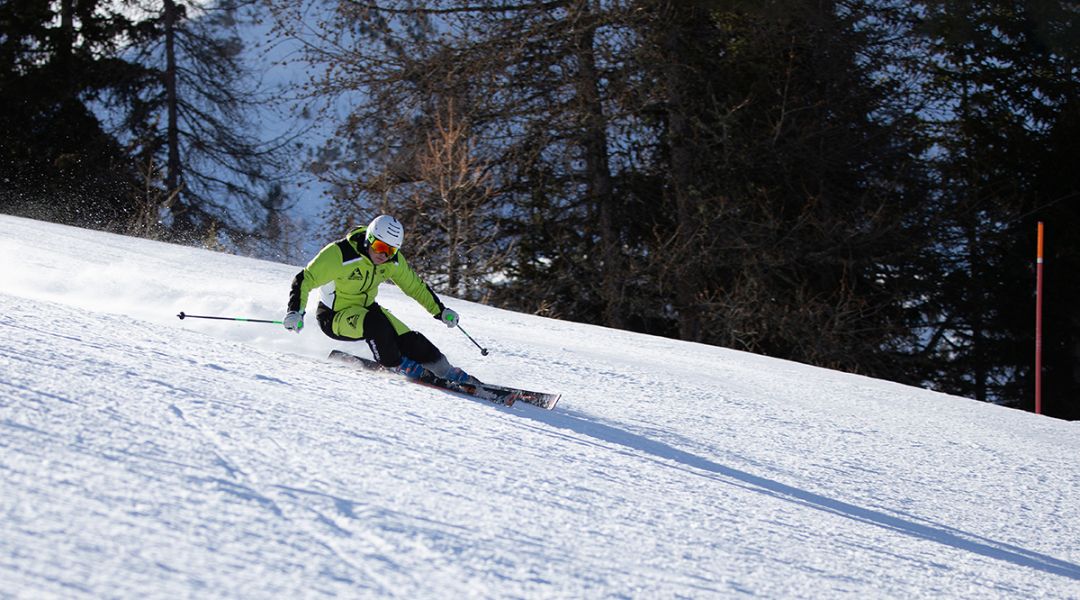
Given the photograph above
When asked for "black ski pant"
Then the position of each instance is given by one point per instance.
(388, 338)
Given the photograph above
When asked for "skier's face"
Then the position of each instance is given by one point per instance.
(379, 251)
(378, 257)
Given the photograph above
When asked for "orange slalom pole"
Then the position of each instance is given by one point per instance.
(1038, 322)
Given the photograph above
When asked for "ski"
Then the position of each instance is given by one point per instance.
(497, 394)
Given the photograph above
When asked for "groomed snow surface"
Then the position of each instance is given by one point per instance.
(144, 456)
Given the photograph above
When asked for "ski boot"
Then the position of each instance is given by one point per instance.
(410, 368)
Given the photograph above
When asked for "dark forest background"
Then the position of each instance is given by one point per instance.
(851, 184)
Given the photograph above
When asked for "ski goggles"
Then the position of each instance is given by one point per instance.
(380, 246)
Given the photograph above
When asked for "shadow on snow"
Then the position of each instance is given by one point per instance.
(947, 536)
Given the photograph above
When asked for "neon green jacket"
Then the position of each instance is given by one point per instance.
(348, 277)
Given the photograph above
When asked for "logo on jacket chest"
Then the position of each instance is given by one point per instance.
(356, 275)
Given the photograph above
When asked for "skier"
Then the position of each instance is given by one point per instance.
(349, 272)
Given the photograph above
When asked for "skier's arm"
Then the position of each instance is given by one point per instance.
(320, 271)
(405, 278)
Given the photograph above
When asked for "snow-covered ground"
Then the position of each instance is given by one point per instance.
(144, 456)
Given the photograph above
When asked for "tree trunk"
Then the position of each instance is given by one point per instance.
(173, 167)
(679, 81)
(594, 144)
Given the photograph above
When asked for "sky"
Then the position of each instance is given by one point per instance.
(145, 456)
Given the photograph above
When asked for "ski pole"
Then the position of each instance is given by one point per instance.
(483, 350)
(243, 319)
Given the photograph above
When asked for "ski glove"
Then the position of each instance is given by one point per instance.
(449, 317)
(293, 321)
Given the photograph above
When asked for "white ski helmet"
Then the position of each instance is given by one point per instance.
(387, 229)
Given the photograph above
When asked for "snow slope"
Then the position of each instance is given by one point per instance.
(144, 456)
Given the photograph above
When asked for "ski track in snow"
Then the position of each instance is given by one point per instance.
(142, 456)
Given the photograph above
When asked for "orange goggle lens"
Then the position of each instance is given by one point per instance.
(383, 248)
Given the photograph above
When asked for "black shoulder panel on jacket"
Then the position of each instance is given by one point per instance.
(348, 253)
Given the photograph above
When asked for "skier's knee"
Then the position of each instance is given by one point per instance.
(417, 347)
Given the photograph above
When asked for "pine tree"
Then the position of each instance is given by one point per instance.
(1003, 76)
(791, 181)
(207, 104)
(58, 161)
